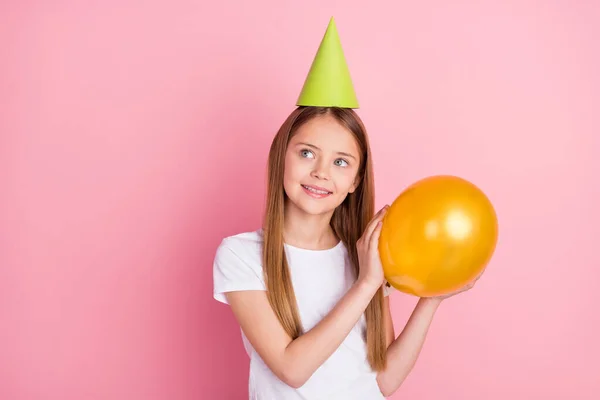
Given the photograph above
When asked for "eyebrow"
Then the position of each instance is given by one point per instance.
(316, 148)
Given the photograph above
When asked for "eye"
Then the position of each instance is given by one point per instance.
(340, 162)
(307, 153)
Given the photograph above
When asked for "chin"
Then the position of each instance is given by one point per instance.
(317, 210)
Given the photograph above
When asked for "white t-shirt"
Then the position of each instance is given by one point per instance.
(320, 279)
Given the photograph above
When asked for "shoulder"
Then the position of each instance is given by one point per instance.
(244, 241)
(246, 245)
(238, 264)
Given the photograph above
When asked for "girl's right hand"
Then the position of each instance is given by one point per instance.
(371, 270)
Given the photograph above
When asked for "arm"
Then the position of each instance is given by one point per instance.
(390, 334)
(403, 352)
(405, 349)
(294, 361)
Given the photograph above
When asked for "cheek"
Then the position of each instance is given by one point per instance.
(293, 170)
(346, 180)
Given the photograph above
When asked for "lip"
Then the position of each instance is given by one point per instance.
(316, 195)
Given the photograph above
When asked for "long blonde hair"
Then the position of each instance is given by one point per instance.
(349, 220)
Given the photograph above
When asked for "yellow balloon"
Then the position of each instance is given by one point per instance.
(437, 236)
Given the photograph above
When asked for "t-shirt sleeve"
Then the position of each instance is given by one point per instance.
(232, 273)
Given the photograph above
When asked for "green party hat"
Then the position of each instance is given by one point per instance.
(328, 83)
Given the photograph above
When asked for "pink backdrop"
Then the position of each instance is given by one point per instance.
(134, 137)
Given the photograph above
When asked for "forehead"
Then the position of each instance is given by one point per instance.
(328, 134)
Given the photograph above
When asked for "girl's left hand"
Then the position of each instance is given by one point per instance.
(468, 286)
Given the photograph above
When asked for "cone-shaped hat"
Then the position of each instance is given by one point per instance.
(328, 83)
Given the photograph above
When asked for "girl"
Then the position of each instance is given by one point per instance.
(308, 288)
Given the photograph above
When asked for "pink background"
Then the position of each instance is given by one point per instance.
(134, 137)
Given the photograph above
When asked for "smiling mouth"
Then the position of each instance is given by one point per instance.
(316, 191)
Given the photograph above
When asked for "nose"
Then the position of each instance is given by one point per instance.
(321, 171)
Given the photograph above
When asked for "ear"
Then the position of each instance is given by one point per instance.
(354, 185)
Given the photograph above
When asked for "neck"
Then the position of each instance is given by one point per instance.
(307, 231)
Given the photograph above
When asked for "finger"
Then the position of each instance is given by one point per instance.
(373, 223)
(480, 275)
(366, 236)
(374, 239)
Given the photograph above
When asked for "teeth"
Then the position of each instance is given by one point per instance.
(315, 190)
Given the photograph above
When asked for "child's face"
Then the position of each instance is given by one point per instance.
(321, 166)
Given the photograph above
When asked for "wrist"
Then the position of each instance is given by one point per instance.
(369, 284)
(430, 301)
